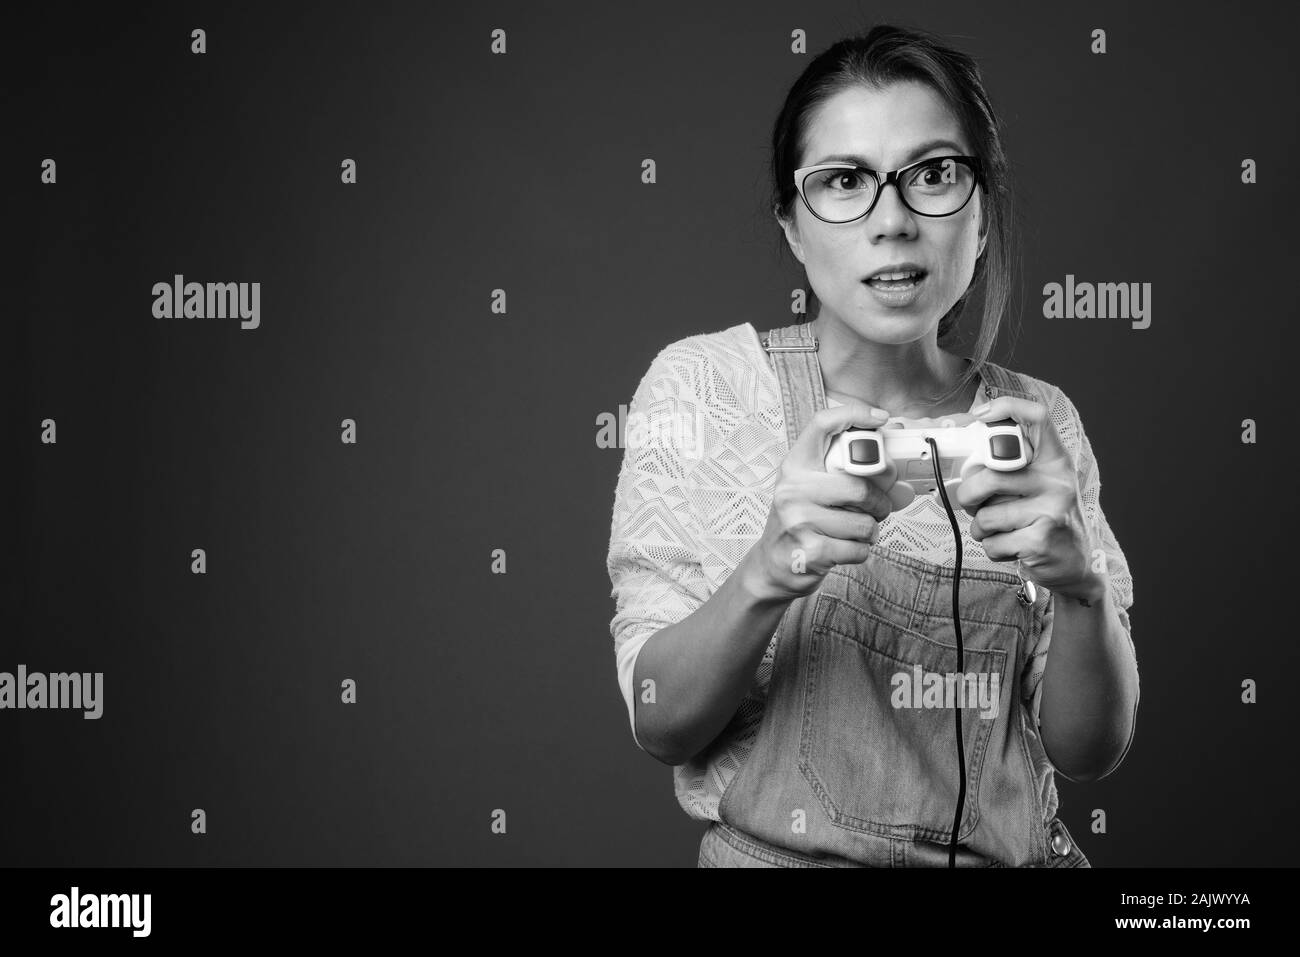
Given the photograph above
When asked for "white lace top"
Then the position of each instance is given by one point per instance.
(687, 510)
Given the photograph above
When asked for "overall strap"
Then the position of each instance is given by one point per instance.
(793, 351)
(1001, 381)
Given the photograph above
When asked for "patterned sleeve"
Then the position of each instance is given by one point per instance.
(1070, 428)
(654, 551)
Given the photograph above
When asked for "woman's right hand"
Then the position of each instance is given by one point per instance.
(819, 519)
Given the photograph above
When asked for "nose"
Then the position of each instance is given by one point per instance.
(890, 217)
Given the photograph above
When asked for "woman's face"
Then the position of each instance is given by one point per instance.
(887, 129)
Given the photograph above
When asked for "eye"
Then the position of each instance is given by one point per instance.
(843, 180)
(929, 175)
(937, 174)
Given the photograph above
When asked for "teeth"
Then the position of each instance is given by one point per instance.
(895, 275)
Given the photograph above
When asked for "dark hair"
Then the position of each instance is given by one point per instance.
(890, 54)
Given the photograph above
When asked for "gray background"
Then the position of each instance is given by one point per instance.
(477, 431)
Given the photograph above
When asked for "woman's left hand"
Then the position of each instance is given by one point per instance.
(1033, 514)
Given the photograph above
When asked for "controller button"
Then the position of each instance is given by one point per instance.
(1005, 447)
(864, 452)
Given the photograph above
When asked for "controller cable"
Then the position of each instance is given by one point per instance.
(961, 655)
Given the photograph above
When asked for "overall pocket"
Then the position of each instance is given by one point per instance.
(881, 758)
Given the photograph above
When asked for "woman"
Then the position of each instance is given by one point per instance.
(771, 616)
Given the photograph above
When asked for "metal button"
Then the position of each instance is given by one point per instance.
(1061, 845)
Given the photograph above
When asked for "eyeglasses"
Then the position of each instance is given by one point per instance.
(842, 192)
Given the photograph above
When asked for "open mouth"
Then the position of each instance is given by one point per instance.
(895, 281)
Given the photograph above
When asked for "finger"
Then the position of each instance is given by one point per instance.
(843, 524)
(809, 449)
(819, 553)
(838, 552)
(841, 490)
(1006, 516)
(1030, 544)
(986, 486)
(1007, 546)
(1032, 417)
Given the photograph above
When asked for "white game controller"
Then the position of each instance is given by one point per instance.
(998, 445)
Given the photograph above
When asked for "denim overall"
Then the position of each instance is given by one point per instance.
(838, 776)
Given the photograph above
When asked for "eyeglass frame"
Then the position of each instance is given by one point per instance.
(803, 172)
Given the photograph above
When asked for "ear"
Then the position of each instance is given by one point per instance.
(791, 229)
(984, 231)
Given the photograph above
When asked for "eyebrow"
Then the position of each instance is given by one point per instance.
(912, 157)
